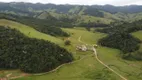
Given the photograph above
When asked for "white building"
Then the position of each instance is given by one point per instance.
(81, 47)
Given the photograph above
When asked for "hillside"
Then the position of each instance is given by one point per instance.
(28, 31)
(29, 54)
(138, 53)
(86, 66)
(104, 14)
(72, 8)
(70, 42)
(49, 26)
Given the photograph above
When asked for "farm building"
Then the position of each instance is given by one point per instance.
(81, 47)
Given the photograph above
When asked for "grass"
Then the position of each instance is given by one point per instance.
(89, 68)
(86, 19)
(85, 69)
(73, 71)
(138, 34)
(129, 69)
(28, 31)
(88, 37)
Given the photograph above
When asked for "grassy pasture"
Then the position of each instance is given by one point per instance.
(138, 34)
(28, 31)
(87, 68)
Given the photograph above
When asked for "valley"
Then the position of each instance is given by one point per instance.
(33, 42)
(79, 68)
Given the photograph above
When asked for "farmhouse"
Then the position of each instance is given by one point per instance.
(81, 47)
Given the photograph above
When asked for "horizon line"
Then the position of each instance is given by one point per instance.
(73, 4)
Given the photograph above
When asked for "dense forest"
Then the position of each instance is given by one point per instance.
(123, 27)
(119, 37)
(123, 41)
(28, 54)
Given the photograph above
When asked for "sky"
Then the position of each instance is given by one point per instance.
(83, 2)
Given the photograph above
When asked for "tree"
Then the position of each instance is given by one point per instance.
(28, 54)
(67, 42)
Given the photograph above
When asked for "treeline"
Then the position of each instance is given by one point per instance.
(93, 24)
(123, 41)
(29, 55)
(49, 26)
(119, 37)
(123, 27)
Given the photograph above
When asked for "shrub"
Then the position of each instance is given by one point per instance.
(67, 42)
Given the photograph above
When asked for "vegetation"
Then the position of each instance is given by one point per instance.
(103, 74)
(92, 24)
(6, 7)
(29, 55)
(88, 68)
(29, 31)
(85, 67)
(48, 26)
(119, 37)
(123, 27)
(94, 12)
(122, 41)
(138, 54)
(66, 8)
(54, 31)
(67, 42)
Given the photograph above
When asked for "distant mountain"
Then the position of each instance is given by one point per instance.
(123, 9)
(30, 7)
(8, 8)
(82, 13)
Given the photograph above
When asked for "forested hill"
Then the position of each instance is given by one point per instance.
(49, 26)
(29, 55)
(123, 9)
(66, 8)
(119, 36)
(30, 8)
(82, 13)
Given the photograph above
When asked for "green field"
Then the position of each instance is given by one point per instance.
(86, 66)
(138, 34)
(29, 31)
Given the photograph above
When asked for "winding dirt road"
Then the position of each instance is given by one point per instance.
(96, 56)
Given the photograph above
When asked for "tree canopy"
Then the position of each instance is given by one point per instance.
(29, 54)
(119, 37)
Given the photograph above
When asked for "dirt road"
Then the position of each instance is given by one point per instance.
(96, 56)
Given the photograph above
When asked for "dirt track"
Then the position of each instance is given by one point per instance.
(96, 56)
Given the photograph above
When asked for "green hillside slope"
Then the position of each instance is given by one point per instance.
(28, 31)
(88, 68)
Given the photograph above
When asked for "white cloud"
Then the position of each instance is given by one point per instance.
(137, 2)
(82, 2)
